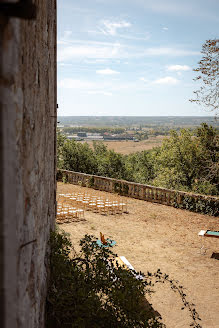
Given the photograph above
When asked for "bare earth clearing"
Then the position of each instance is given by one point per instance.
(128, 147)
(153, 236)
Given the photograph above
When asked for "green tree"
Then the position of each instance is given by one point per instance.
(60, 140)
(140, 166)
(208, 142)
(99, 148)
(78, 157)
(183, 162)
(110, 163)
(178, 163)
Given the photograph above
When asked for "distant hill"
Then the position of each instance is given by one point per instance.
(128, 121)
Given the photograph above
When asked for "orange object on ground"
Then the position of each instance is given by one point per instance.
(103, 240)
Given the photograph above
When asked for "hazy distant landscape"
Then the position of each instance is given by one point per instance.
(125, 121)
(148, 131)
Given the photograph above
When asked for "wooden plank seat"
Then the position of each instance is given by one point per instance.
(124, 263)
(209, 234)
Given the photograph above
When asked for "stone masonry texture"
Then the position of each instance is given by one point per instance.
(27, 163)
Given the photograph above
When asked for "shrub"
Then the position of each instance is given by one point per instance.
(205, 206)
(91, 290)
(64, 179)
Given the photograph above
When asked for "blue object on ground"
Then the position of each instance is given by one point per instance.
(212, 233)
(110, 243)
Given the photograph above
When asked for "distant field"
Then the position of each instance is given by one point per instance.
(128, 147)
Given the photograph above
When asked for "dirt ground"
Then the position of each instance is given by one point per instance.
(128, 147)
(153, 236)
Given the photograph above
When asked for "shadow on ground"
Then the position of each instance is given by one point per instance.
(215, 256)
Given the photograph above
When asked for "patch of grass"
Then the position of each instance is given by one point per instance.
(153, 216)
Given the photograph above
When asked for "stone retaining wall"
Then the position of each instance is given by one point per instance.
(179, 199)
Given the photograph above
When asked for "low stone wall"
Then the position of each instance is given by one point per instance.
(179, 199)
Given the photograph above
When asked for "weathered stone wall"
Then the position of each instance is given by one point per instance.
(27, 162)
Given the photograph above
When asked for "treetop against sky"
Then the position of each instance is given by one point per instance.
(131, 57)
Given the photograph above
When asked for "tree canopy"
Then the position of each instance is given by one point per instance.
(186, 161)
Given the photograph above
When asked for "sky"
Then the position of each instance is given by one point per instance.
(131, 57)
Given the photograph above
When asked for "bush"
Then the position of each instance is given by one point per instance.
(64, 179)
(205, 206)
(92, 290)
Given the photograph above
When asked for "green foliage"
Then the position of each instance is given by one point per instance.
(60, 140)
(205, 206)
(95, 129)
(140, 166)
(177, 165)
(204, 187)
(117, 187)
(208, 143)
(110, 163)
(189, 163)
(89, 290)
(140, 135)
(184, 162)
(90, 182)
(78, 157)
(92, 290)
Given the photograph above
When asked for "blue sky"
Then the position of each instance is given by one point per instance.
(131, 57)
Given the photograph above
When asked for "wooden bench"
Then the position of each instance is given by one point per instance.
(207, 233)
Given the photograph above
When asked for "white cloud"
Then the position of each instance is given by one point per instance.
(92, 51)
(81, 50)
(137, 37)
(168, 80)
(72, 49)
(165, 28)
(104, 93)
(85, 85)
(170, 52)
(106, 88)
(107, 71)
(178, 68)
(75, 84)
(110, 28)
